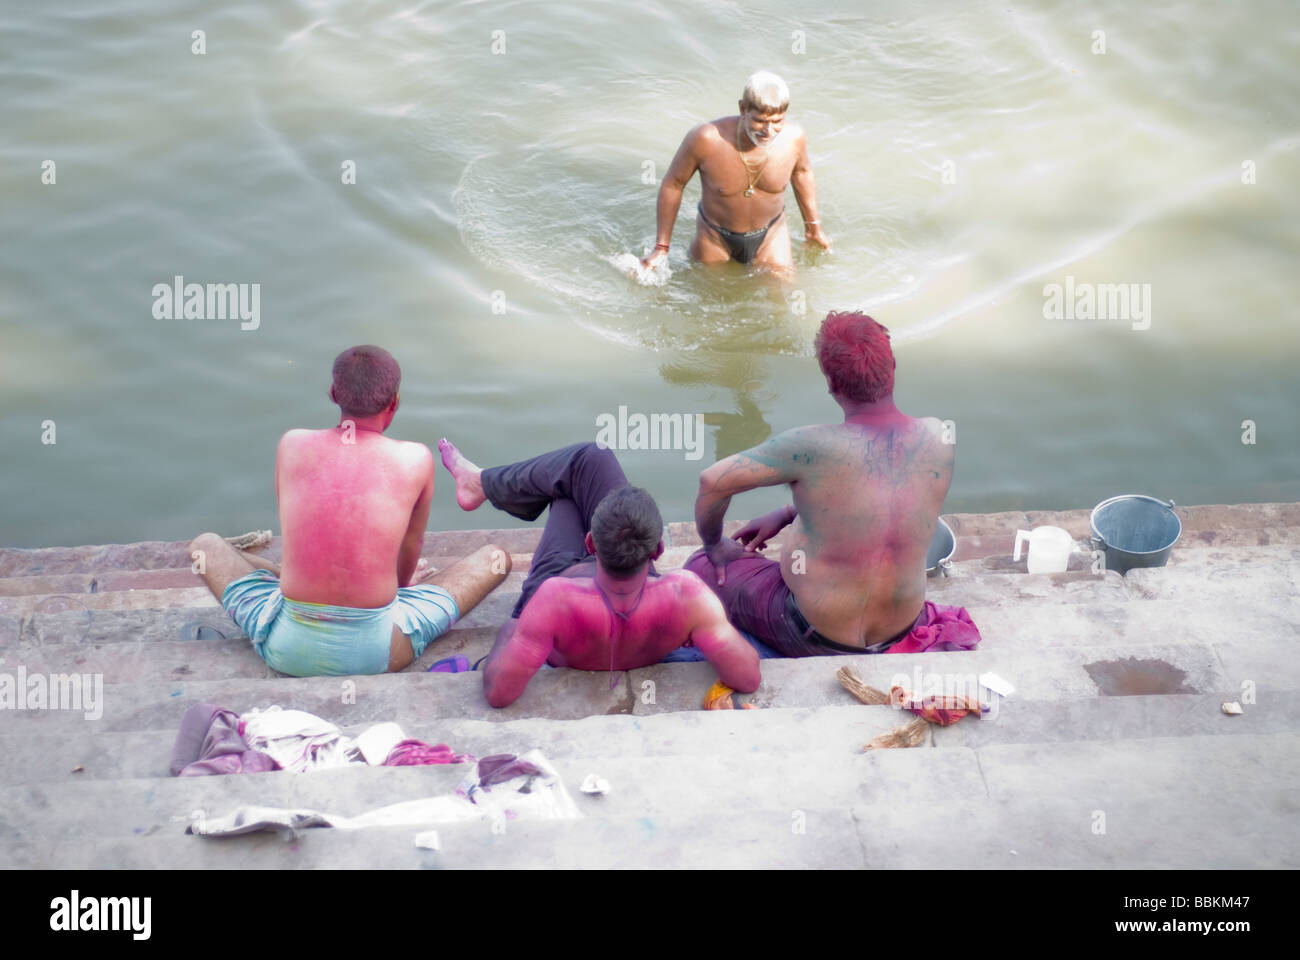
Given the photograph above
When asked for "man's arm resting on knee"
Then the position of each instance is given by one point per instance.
(517, 654)
(732, 656)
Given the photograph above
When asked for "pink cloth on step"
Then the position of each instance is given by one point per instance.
(939, 627)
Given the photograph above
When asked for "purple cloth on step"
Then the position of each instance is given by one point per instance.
(209, 742)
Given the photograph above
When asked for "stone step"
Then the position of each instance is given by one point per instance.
(1021, 625)
(1206, 575)
(1162, 771)
(1057, 673)
(997, 604)
(1223, 518)
(174, 554)
(1029, 626)
(752, 838)
(171, 598)
(840, 730)
(210, 657)
(126, 755)
(37, 605)
(1249, 523)
(1228, 669)
(1197, 831)
(1276, 564)
(111, 581)
(209, 623)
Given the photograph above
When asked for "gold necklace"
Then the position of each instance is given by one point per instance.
(749, 190)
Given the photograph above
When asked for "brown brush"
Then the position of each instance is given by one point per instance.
(911, 734)
(868, 695)
(250, 541)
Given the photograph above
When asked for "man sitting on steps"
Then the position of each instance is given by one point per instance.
(592, 599)
(348, 597)
(867, 494)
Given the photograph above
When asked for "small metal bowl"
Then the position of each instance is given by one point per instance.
(942, 546)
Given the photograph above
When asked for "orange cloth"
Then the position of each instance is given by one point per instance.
(940, 710)
(719, 698)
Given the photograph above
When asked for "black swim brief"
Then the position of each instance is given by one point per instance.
(794, 616)
(743, 246)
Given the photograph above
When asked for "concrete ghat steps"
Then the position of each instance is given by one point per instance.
(1214, 578)
(1180, 783)
(1168, 767)
(839, 730)
(960, 833)
(169, 660)
(1052, 674)
(155, 654)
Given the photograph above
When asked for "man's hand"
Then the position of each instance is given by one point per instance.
(657, 256)
(722, 553)
(813, 234)
(755, 534)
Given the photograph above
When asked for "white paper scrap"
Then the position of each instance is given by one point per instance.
(996, 684)
(378, 742)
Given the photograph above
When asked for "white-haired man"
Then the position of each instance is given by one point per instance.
(745, 163)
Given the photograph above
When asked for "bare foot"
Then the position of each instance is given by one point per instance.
(469, 488)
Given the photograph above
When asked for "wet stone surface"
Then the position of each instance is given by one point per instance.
(1133, 677)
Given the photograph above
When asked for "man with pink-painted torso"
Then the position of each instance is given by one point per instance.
(592, 599)
(348, 596)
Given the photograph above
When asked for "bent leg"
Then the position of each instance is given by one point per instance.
(471, 579)
(221, 564)
(569, 483)
(466, 582)
(563, 543)
(259, 562)
(583, 473)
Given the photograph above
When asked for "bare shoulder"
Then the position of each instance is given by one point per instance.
(938, 430)
(695, 594)
(683, 581)
(706, 134)
(938, 439)
(932, 425)
(557, 590)
(787, 453)
(798, 437)
(715, 128)
(298, 437)
(414, 452)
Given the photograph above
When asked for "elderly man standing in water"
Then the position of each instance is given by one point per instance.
(867, 494)
(745, 163)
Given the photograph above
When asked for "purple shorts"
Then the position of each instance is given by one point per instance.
(757, 601)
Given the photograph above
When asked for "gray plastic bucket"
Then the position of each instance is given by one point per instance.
(942, 546)
(1134, 531)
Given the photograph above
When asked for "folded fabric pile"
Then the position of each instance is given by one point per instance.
(214, 740)
(497, 789)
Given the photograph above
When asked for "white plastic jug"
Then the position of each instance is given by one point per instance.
(1049, 549)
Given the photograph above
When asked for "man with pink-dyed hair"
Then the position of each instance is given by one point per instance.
(867, 494)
